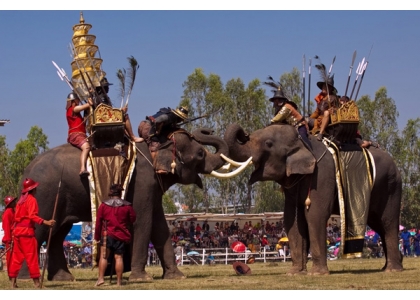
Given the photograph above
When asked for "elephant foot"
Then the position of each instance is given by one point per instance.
(139, 276)
(319, 270)
(296, 271)
(175, 274)
(393, 268)
(61, 275)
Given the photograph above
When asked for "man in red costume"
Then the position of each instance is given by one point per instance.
(25, 246)
(115, 216)
(7, 224)
(77, 129)
(326, 100)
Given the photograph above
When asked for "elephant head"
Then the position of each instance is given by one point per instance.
(277, 152)
(189, 156)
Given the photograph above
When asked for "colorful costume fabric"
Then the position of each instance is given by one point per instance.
(119, 215)
(25, 245)
(323, 103)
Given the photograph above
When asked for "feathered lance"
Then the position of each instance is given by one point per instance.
(351, 69)
(131, 74)
(324, 77)
(121, 77)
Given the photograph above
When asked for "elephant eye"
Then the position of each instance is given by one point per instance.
(200, 153)
(269, 143)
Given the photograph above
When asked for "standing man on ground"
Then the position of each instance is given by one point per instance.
(116, 216)
(25, 245)
(7, 225)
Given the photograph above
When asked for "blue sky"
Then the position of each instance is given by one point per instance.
(169, 45)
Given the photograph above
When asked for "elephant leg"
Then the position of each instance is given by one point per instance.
(164, 249)
(57, 264)
(142, 230)
(297, 232)
(317, 218)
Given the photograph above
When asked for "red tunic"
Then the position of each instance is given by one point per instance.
(75, 121)
(77, 129)
(7, 224)
(119, 218)
(25, 245)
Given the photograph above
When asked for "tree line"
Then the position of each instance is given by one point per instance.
(248, 105)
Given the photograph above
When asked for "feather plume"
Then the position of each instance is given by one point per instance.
(322, 72)
(121, 77)
(132, 71)
(273, 83)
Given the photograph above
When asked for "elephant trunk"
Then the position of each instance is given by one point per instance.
(236, 139)
(213, 161)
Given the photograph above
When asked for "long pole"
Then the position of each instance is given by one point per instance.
(303, 84)
(351, 69)
(363, 74)
(50, 233)
(359, 71)
(309, 85)
(332, 64)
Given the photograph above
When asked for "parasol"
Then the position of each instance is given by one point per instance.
(192, 253)
(238, 247)
(284, 239)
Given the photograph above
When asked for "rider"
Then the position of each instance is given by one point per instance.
(325, 100)
(101, 97)
(286, 112)
(77, 128)
(166, 120)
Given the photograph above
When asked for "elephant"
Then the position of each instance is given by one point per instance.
(145, 190)
(278, 154)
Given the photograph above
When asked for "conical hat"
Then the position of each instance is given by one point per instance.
(181, 112)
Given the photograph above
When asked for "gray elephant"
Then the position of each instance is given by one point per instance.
(279, 155)
(145, 191)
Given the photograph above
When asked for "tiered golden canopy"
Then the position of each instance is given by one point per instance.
(85, 61)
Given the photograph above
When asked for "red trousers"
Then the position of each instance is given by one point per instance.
(24, 248)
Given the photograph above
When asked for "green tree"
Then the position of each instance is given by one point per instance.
(378, 119)
(168, 204)
(408, 161)
(25, 151)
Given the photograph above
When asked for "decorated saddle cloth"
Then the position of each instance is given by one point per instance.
(354, 169)
(107, 166)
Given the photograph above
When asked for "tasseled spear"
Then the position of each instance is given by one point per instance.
(121, 78)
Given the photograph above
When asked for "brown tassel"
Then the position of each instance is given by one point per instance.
(308, 202)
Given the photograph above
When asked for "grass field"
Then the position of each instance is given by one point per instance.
(354, 274)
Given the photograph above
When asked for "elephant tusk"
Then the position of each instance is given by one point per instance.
(233, 173)
(232, 162)
(226, 167)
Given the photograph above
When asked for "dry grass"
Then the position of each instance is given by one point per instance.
(357, 274)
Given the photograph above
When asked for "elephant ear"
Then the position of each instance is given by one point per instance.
(300, 162)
